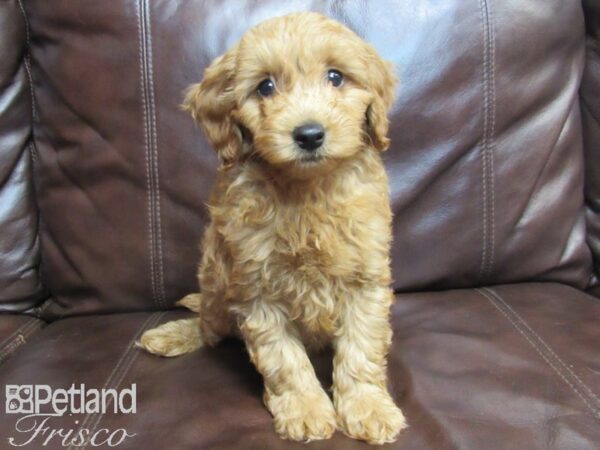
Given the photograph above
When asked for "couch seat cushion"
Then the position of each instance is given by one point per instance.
(514, 366)
(16, 330)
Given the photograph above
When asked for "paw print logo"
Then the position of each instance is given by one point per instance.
(19, 399)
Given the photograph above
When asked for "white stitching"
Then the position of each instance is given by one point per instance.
(128, 354)
(37, 325)
(23, 332)
(26, 332)
(154, 149)
(487, 156)
(595, 411)
(532, 331)
(539, 351)
(492, 93)
(149, 189)
(12, 347)
(108, 380)
(126, 361)
(151, 155)
(148, 155)
(9, 337)
(483, 144)
(98, 417)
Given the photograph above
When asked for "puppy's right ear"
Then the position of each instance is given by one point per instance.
(212, 104)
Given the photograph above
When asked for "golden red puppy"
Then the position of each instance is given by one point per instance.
(296, 254)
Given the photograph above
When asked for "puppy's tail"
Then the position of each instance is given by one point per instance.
(177, 337)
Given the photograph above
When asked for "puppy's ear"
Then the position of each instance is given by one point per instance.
(212, 104)
(382, 83)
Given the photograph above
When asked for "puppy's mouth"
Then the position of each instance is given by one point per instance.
(310, 158)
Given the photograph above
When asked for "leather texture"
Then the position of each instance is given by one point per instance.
(511, 367)
(494, 170)
(15, 331)
(590, 113)
(20, 280)
(486, 165)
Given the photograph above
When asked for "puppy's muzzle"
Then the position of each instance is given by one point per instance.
(309, 136)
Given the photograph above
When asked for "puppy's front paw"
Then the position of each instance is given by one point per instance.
(370, 415)
(302, 416)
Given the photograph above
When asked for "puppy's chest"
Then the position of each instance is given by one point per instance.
(309, 245)
(314, 262)
(307, 257)
(315, 243)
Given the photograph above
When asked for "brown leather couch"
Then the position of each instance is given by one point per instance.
(495, 179)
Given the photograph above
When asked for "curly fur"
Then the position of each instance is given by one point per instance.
(297, 252)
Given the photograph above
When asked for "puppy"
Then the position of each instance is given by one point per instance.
(297, 251)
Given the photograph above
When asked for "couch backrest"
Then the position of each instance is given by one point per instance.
(486, 162)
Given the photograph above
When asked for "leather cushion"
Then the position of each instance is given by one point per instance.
(15, 331)
(513, 366)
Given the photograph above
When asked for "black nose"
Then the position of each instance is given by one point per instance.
(309, 136)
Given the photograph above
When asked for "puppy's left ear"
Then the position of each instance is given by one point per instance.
(382, 83)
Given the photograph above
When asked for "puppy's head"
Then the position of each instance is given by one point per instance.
(300, 92)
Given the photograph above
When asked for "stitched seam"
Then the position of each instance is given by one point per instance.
(492, 92)
(32, 146)
(7, 340)
(108, 381)
(28, 58)
(154, 148)
(595, 412)
(483, 144)
(129, 354)
(12, 347)
(126, 367)
(149, 189)
(32, 151)
(38, 325)
(489, 123)
(18, 338)
(27, 63)
(546, 346)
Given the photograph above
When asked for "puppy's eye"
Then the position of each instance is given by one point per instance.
(335, 77)
(266, 88)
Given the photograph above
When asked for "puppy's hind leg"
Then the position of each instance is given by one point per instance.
(173, 338)
(186, 335)
(213, 321)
